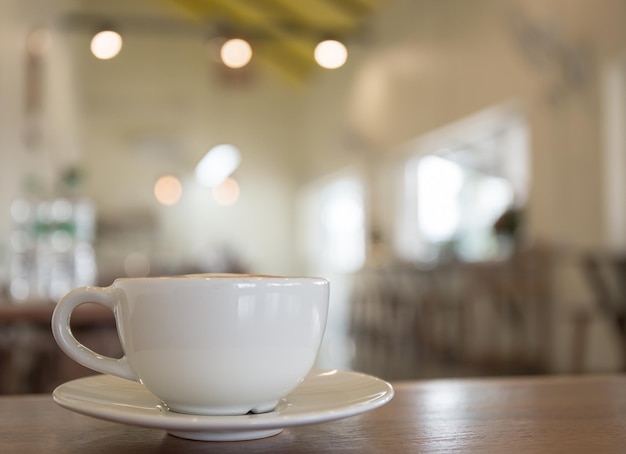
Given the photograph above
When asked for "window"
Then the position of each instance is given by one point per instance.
(335, 224)
(457, 183)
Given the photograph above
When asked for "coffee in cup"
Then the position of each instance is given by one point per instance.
(207, 344)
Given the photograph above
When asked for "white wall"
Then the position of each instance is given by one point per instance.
(155, 109)
(435, 65)
(422, 65)
(22, 161)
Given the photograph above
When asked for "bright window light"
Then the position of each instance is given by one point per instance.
(106, 44)
(217, 165)
(331, 54)
(458, 183)
(344, 214)
(236, 53)
(343, 225)
(439, 183)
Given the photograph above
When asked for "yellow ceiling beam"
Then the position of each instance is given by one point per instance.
(282, 62)
(241, 11)
(324, 15)
(245, 14)
(284, 32)
(278, 50)
(370, 5)
(195, 10)
(284, 45)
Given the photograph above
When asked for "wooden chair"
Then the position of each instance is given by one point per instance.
(605, 274)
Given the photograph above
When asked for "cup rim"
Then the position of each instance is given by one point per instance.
(222, 277)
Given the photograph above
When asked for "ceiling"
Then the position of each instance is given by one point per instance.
(283, 33)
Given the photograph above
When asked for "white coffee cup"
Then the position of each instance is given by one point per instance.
(207, 344)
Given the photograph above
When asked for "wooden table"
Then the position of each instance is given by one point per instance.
(568, 414)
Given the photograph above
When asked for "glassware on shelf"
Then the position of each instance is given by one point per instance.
(51, 248)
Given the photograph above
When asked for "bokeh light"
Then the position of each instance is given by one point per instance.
(236, 53)
(106, 44)
(219, 162)
(168, 190)
(226, 193)
(331, 54)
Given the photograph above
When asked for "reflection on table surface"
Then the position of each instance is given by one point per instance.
(532, 414)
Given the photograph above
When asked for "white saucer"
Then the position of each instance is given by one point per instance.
(324, 395)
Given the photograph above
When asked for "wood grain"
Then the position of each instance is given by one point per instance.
(566, 414)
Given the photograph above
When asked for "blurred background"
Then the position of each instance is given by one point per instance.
(456, 169)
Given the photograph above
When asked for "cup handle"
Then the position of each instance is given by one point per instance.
(74, 349)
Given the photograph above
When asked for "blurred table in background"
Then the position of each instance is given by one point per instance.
(31, 361)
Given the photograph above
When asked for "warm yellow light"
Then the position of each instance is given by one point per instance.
(331, 54)
(106, 44)
(226, 193)
(236, 53)
(168, 190)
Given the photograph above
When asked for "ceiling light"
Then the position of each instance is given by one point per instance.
(331, 54)
(106, 44)
(236, 53)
